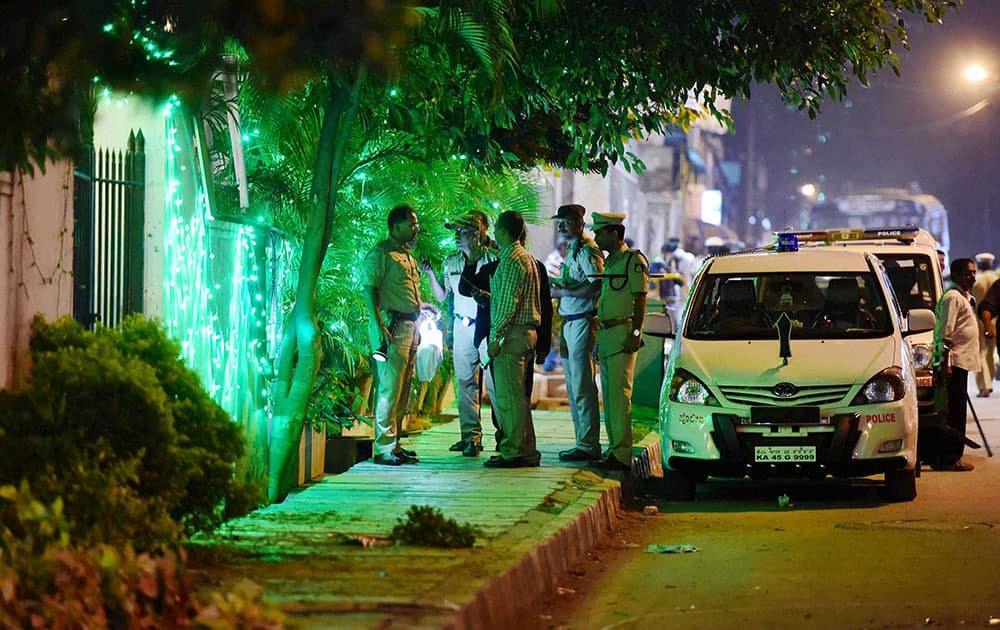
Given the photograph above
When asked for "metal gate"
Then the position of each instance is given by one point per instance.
(109, 216)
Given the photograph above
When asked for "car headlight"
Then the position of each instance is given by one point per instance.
(686, 388)
(886, 386)
(922, 356)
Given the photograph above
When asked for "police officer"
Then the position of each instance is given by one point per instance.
(577, 288)
(392, 295)
(471, 241)
(621, 309)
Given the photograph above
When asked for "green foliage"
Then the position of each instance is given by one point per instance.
(342, 385)
(47, 582)
(427, 526)
(116, 427)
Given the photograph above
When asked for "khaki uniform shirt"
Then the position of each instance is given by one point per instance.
(583, 261)
(394, 273)
(626, 273)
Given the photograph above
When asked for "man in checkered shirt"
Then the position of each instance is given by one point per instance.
(515, 315)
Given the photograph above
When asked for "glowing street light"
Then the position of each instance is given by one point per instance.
(975, 73)
(808, 190)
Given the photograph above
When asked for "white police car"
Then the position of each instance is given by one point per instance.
(909, 256)
(792, 363)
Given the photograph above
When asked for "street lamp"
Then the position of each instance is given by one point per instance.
(808, 190)
(975, 73)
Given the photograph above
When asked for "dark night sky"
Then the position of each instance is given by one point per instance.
(899, 130)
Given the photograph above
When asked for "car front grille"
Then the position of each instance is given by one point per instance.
(806, 395)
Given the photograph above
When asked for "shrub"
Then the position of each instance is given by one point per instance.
(116, 426)
(425, 525)
(45, 581)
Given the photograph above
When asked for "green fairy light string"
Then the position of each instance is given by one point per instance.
(222, 285)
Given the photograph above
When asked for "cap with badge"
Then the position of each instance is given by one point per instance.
(570, 211)
(985, 258)
(603, 219)
(471, 219)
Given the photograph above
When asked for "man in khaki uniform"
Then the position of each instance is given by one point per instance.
(621, 309)
(577, 287)
(392, 295)
(470, 236)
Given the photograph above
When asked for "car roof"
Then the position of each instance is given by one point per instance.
(812, 259)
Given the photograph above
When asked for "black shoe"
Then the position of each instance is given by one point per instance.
(388, 460)
(518, 462)
(406, 456)
(458, 446)
(574, 455)
(959, 466)
(610, 463)
(472, 449)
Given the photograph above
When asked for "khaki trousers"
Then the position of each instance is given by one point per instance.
(617, 372)
(394, 377)
(512, 408)
(987, 360)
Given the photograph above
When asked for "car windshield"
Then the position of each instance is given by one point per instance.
(912, 279)
(817, 305)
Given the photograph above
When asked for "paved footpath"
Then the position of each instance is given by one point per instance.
(321, 555)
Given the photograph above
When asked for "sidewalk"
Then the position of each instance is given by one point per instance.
(321, 554)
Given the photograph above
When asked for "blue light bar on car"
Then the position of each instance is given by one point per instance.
(904, 234)
(788, 242)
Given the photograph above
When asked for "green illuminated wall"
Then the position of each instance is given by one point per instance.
(221, 290)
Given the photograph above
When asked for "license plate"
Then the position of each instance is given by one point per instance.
(784, 454)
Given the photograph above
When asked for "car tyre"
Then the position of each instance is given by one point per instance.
(678, 486)
(900, 485)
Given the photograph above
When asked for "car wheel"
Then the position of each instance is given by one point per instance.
(900, 485)
(678, 486)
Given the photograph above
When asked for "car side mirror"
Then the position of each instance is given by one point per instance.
(659, 325)
(920, 320)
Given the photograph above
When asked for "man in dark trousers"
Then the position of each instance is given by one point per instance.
(956, 350)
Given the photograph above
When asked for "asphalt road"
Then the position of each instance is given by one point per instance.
(837, 556)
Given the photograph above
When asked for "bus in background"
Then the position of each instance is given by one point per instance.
(883, 208)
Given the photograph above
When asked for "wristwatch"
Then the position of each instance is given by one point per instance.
(636, 332)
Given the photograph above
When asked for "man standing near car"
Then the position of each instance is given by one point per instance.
(577, 288)
(956, 347)
(621, 309)
(470, 235)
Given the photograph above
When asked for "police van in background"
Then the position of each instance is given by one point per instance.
(791, 362)
(909, 256)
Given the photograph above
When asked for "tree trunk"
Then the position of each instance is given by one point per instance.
(300, 353)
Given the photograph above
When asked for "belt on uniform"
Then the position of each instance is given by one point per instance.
(576, 316)
(405, 317)
(604, 324)
(468, 321)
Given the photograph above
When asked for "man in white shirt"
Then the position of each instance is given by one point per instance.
(985, 277)
(470, 231)
(956, 337)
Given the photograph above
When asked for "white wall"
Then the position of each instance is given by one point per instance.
(116, 116)
(36, 258)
